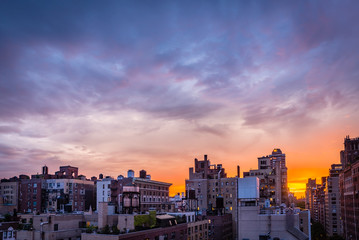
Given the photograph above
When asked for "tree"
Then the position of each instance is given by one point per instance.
(336, 237)
(91, 229)
(318, 231)
(106, 230)
(115, 230)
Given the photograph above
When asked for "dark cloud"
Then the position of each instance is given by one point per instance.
(9, 130)
(217, 130)
(24, 160)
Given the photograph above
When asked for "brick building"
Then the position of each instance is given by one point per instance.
(32, 195)
(64, 191)
(153, 195)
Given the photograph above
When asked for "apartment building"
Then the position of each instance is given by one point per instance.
(272, 174)
(333, 224)
(209, 191)
(349, 187)
(65, 191)
(9, 192)
(153, 195)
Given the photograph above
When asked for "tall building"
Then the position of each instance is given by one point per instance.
(207, 182)
(323, 201)
(272, 174)
(310, 198)
(209, 190)
(349, 188)
(350, 154)
(332, 202)
(321, 206)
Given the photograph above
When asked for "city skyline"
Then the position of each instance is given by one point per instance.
(153, 85)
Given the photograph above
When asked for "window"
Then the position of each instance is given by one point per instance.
(56, 227)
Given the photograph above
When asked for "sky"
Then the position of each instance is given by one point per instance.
(108, 86)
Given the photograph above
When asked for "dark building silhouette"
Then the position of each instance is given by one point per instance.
(143, 174)
(349, 188)
(45, 170)
(350, 154)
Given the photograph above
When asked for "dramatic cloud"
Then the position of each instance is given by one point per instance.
(133, 84)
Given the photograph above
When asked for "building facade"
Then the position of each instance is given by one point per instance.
(152, 195)
(267, 222)
(65, 191)
(311, 198)
(349, 188)
(349, 200)
(103, 192)
(210, 191)
(9, 192)
(350, 154)
(323, 201)
(31, 195)
(272, 173)
(52, 226)
(333, 224)
(66, 195)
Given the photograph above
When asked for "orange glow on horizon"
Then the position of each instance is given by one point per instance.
(297, 179)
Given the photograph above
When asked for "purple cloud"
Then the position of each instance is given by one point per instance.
(213, 67)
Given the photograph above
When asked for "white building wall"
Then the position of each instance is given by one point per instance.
(103, 191)
(248, 188)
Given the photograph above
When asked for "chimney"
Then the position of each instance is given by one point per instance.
(45, 170)
(205, 166)
(143, 174)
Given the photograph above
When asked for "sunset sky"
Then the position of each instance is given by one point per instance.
(108, 86)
